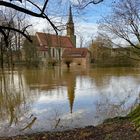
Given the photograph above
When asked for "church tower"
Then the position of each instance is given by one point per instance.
(70, 28)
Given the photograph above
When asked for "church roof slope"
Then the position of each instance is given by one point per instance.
(75, 53)
(51, 40)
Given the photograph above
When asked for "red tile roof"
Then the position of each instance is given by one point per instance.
(50, 40)
(75, 53)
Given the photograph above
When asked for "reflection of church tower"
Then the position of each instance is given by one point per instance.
(70, 28)
(71, 92)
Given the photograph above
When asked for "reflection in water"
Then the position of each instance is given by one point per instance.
(71, 84)
(13, 101)
(12, 98)
(29, 125)
(46, 99)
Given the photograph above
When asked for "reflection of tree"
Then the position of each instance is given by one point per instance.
(30, 124)
(43, 79)
(101, 76)
(106, 108)
(12, 97)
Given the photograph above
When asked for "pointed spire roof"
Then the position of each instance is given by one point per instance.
(70, 15)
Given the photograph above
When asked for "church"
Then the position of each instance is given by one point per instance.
(58, 48)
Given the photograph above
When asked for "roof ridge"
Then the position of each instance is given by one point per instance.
(51, 34)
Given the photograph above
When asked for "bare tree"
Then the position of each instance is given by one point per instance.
(40, 12)
(6, 19)
(123, 23)
(18, 6)
(100, 48)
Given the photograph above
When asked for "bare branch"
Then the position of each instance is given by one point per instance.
(84, 3)
(123, 22)
(93, 2)
(5, 36)
(16, 30)
(45, 4)
(29, 12)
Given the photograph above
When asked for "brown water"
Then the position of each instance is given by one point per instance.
(35, 100)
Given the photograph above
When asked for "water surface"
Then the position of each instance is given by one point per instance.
(35, 100)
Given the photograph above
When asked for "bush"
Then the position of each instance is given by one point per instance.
(68, 61)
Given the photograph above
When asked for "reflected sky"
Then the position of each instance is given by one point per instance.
(58, 99)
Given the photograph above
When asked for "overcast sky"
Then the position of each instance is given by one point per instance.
(86, 20)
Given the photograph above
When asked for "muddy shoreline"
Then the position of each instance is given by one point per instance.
(111, 129)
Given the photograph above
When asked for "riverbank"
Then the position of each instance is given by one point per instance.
(111, 129)
(118, 128)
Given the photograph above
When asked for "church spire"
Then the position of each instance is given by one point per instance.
(70, 16)
(70, 27)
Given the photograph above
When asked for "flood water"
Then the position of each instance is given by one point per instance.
(35, 100)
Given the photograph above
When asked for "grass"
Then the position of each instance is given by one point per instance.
(134, 116)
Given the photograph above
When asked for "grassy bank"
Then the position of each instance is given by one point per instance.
(134, 117)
